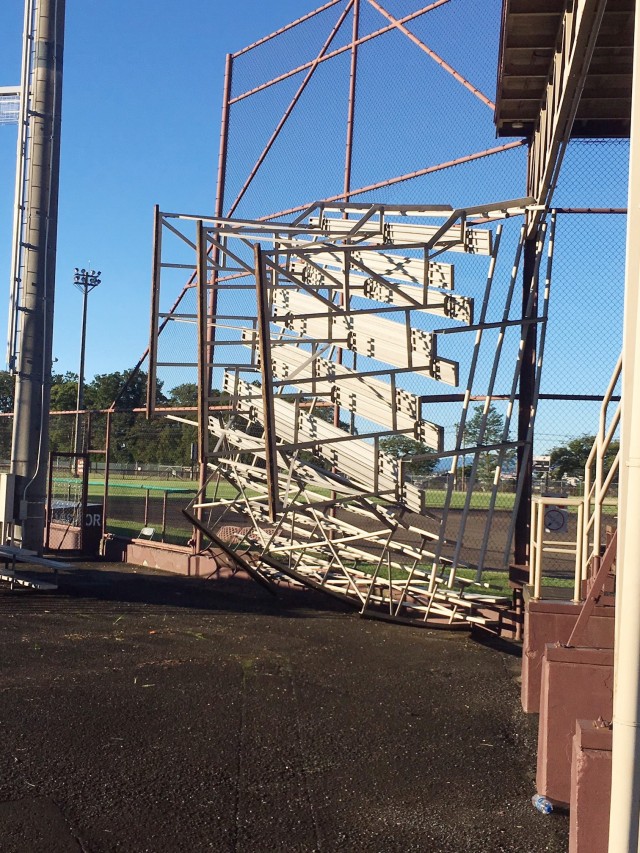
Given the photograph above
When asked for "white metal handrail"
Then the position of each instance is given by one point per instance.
(540, 546)
(596, 483)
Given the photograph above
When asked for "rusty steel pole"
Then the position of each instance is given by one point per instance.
(348, 162)
(107, 464)
(526, 403)
(212, 302)
(30, 445)
(348, 159)
(290, 108)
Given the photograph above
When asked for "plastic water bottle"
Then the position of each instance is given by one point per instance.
(542, 804)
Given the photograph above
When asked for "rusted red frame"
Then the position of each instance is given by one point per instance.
(264, 342)
(348, 160)
(204, 360)
(286, 27)
(441, 62)
(595, 590)
(206, 351)
(347, 193)
(468, 158)
(361, 40)
(395, 23)
(152, 349)
(290, 108)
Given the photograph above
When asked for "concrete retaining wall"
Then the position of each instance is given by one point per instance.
(169, 558)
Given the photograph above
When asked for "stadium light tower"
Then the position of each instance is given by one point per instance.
(34, 260)
(85, 281)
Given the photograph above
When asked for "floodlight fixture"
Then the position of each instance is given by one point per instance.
(86, 281)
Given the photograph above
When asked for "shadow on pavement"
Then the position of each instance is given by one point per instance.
(124, 584)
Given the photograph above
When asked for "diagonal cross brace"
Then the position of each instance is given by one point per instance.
(595, 591)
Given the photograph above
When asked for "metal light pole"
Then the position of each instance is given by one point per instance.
(85, 281)
(32, 305)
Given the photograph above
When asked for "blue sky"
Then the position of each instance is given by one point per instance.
(141, 114)
(141, 118)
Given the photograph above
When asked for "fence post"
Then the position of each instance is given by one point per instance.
(164, 513)
(107, 452)
(525, 406)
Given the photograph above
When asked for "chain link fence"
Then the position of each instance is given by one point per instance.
(152, 477)
(152, 473)
(384, 102)
(584, 332)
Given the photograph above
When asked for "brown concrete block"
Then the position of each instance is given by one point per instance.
(169, 558)
(552, 622)
(590, 788)
(576, 684)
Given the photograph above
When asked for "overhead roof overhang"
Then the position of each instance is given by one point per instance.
(528, 40)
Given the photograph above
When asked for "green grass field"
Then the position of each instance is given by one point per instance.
(498, 581)
(130, 530)
(435, 498)
(178, 496)
(96, 487)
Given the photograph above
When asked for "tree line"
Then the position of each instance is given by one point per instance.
(134, 439)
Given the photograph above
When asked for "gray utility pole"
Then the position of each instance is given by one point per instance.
(30, 447)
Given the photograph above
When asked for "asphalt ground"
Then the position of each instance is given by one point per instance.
(146, 712)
